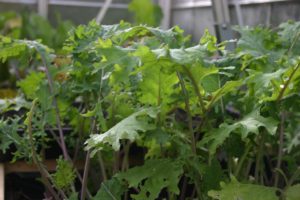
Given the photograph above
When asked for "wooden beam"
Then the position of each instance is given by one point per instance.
(43, 8)
(24, 167)
(102, 11)
(166, 9)
(2, 181)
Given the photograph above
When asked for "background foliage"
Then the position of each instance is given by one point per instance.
(158, 117)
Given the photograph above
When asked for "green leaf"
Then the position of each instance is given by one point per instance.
(73, 196)
(209, 41)
(9, 48)
(293, 192)
(228, 87)
(211, 175)
(264, 82)
(173, 37)
(290, 35)
(128, 128)
(260, 42)
(249, 124)
(158, 78)
(200, 72)
(9, 133)
(189, 55)
(294, 142)
(210, 83)
(240, 191)
(152, 177)
(64, 175)
(31, 83)
(112, 189)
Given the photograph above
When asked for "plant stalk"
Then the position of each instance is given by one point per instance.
(102, 167)
(258, 160)
(43, 172)
(242, 161)
(188, 110)
(196, 88)
(280, 149)
(286, 84)
(85, 175)
(54, 102)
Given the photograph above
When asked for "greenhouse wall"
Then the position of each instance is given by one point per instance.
(194, 16)
(195, 20)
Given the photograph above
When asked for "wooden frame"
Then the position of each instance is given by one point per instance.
(24, 167)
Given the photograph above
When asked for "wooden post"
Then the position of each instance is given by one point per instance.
(43, 8)
(166, 9)
(2, 181)
(103, 10)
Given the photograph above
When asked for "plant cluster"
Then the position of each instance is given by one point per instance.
(157, 117)
(30, 26)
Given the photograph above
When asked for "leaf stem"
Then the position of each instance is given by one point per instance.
(54, 102)
(280, 149)
(242, 160)
(125, 161)
(258, 159)
(183, 188)
(286, 84)
(190, 125)
(188, 110)
(57, 114)
(196, 88)
(85, 175)
(102, 167)
(44, 173)
(293, 43)
(294, 177)
(87, 164)
(108, 192)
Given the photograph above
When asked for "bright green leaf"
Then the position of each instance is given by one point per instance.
(112, 189)
(240, 191)
(128, 128)
(293, 192)
(249, 124)
(152, 177)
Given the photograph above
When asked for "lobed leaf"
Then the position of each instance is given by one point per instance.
(236, 190)
(152, 177)
(249, 124)
(128, 128)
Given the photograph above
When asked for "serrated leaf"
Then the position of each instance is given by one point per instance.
(73, 196)
(228, 87)
(64, 175)
(294, 142)
(9, 48)
(293, 192)
(211, 175)
(189, 55)
(249, 124)
(128, 128)
(259, 42)
(152, 177)
(8, 133)
(158, 78)
(112, 189)
(289, 33)
(210, 83)
(264, 83)
(209, 41)
(240, 191)
(31, 83)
